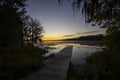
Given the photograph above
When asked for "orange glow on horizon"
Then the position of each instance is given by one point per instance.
(56, 38)
(52, 38)
(72, 36)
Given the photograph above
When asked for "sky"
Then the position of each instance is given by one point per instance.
(59, 22)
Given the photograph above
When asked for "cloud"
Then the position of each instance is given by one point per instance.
(90, 32)
(68, 35)
(83, 33)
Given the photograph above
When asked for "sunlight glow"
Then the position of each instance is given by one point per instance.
(57, 37)
(76, 35)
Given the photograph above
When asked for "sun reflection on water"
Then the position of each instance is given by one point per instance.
(81, 49)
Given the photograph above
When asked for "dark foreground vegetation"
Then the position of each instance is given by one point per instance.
(18, 62)
(104, 65)
(18, 35)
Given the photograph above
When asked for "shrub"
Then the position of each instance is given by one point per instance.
(18, 62)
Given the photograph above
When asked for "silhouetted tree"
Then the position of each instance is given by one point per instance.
(101, 12)
(105, 13)
(33, 31)
(11, 21)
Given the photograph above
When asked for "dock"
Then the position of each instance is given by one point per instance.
(56, 68)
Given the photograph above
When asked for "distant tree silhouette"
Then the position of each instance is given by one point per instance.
(11, 21)
(88, 38)
(32, 31)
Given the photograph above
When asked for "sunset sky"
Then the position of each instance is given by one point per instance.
(59, 21)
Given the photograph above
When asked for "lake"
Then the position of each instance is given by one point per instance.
(81, 49)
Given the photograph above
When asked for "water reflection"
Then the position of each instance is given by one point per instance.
(53, 49)
(81, 53)
(81, 49)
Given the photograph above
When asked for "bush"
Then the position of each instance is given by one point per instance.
(112, 39)
(104, 65)
(18, 62)
(107, 63)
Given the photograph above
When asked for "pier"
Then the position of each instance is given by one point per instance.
(56, 68)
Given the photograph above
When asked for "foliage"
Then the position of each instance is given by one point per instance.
(101, 12)
(15, 26)
(107, 63)
(19, 62)
(33, 30)
(15, 22)
(11, 21)
(112, 39)
(104, 13)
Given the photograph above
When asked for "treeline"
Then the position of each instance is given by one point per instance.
(91, 37)
(88, 38)
(16, 26)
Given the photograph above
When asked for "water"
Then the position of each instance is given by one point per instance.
(81, 49)
(54, 49)
(80, 54)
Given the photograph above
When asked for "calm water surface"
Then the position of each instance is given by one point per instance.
(81, 49)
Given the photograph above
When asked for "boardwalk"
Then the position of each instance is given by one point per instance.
(56, 68)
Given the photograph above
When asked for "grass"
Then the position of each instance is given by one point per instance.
(108, 64)
(104, 65)
(19, 62)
